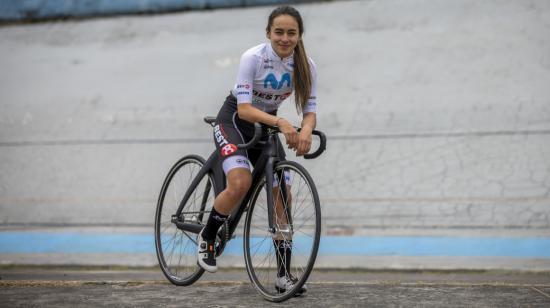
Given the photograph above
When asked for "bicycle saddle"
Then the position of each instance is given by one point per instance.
(210, 120)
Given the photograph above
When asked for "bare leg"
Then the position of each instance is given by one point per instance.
(238, 183)
(282, 210)
(282, 239)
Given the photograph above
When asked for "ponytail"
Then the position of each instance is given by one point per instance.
(302, 77)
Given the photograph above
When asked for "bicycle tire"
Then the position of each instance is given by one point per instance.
(176, 249)
(305, 223)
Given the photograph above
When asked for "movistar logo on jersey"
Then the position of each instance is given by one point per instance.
(277, 84)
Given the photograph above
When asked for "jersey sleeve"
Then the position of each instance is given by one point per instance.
(312, 101)
(245, 78)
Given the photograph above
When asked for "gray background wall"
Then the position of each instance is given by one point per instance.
(437, 112)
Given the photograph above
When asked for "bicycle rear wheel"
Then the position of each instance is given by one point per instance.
(177, 249)
(297, 222)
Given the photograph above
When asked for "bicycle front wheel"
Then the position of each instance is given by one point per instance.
(290, 248)
(176, 248)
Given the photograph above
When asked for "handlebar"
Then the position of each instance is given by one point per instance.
(255, 139)
(322, 145)
(258, 135)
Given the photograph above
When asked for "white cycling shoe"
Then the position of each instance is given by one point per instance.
(206, 254)
(285, 283)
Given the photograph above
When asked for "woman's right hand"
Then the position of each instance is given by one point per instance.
(291, 135)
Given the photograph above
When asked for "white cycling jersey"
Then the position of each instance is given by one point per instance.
(265, 79)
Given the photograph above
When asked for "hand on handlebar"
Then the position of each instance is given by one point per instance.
(304, 142)
(291, 134)
(301, 142)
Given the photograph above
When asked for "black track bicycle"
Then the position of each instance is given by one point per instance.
(282, 204)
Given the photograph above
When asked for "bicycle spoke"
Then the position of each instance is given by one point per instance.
(180, 252)
(259, 245)
(266, 257)
(169, 240)
(191, 239)
(177, 255)
(167, 225)
(295, 207)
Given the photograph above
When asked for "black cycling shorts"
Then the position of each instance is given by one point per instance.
(229, 131)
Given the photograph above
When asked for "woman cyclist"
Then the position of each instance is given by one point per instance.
(267, 75)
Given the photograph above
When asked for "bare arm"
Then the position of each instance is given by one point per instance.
(252, 114)
(309, 122)
(304, 139)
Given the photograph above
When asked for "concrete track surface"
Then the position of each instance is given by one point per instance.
(123, 287)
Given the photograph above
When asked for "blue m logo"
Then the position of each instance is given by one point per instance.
(276, 84)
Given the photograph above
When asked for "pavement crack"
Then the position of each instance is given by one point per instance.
(541, 292)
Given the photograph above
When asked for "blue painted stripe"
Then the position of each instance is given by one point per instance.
(532, 247)
(438, 246)
(32, 9)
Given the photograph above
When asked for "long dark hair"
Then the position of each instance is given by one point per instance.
(302, 72)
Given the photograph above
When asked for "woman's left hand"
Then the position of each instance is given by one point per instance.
(304, 141)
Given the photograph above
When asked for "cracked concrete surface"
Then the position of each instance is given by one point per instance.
(457, 182)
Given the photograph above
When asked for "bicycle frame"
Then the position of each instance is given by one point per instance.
(264, 166)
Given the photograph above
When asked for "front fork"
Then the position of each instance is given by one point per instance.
(277, 228)
(269, 193)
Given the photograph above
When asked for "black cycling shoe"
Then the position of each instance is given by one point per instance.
(287, 282)
(206, 254)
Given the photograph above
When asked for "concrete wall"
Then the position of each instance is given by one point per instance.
(12, 10)
(437, 113)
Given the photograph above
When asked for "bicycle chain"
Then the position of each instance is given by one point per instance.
(226, 226)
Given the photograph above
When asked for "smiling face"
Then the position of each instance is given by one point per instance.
(284, 35)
